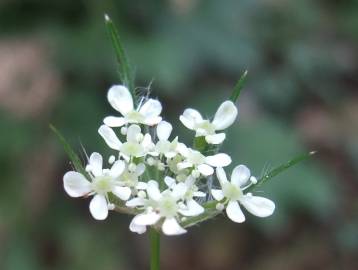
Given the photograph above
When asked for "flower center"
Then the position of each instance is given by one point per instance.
(206, 127)
(196, 158)
(102, 184)
(232, 192)
(163, 147)
(135, 117)
(129, 179)
(132, 149)
(168, 206)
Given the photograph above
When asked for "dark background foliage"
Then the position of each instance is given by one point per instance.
(56, 64)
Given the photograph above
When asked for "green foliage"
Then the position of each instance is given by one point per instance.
(76, 161)
(238, 87)
(125, 71)
(279, 169)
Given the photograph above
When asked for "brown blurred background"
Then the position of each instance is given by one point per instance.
(56, 64)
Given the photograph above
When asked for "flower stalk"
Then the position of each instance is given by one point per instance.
(154, 236)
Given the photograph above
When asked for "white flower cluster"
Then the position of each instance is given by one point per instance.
(160, 180)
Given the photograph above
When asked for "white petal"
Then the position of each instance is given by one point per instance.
(220, 173)
(183, 149)
(215, 138)
(137, 228)
(225, 115)
(240, 175)
(153, 190)
(120, 99)
(122, 192)
(193, 114)
(258, 206)
(218, 160)
(96, 163)
(179, 190)
(151, 121)
(152, 108)
(234, 212)
(172, 227)
(141, 186)
(110, 137)
(133, 132)
(99, 207)
(169, 181)
(164, 129)
(217, 194)
(199, 194)
(193, 209)
(184, 165)
(188, 123)
(146, 218)
(135, 202)
(205, 170)
(147, 142)
(190, 117)
(113, 121)
(117, 168)
(75, 184)
(140, 169)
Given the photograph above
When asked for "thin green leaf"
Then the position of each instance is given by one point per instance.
(76, 161)
(280, 169)
(125, 72)
(238, 87)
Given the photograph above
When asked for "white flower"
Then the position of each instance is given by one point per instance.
(137, 144)
(164, 146)
(167, 205)
(224, 117)
(104, 181)
(121, 100)
(130, 178)
(190, 207)
(195, 159)
(233, 192)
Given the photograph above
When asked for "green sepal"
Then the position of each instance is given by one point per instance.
(200, 144)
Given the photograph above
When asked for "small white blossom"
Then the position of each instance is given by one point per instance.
(103, 181)
(121, 100)
(137, 144)
(196, 160)
(164, 146)
(166, 205)
(191, 207)
(130, 178)
(224, 117)
(233, 193)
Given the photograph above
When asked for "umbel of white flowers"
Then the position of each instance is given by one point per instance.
(162, 181)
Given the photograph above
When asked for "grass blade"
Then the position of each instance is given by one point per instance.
(280, 169)
(125, 72)
(238, 87)
(76, 161)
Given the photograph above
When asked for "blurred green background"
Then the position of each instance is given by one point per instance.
(56, 64)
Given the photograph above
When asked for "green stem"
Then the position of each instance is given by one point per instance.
(154, 249)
